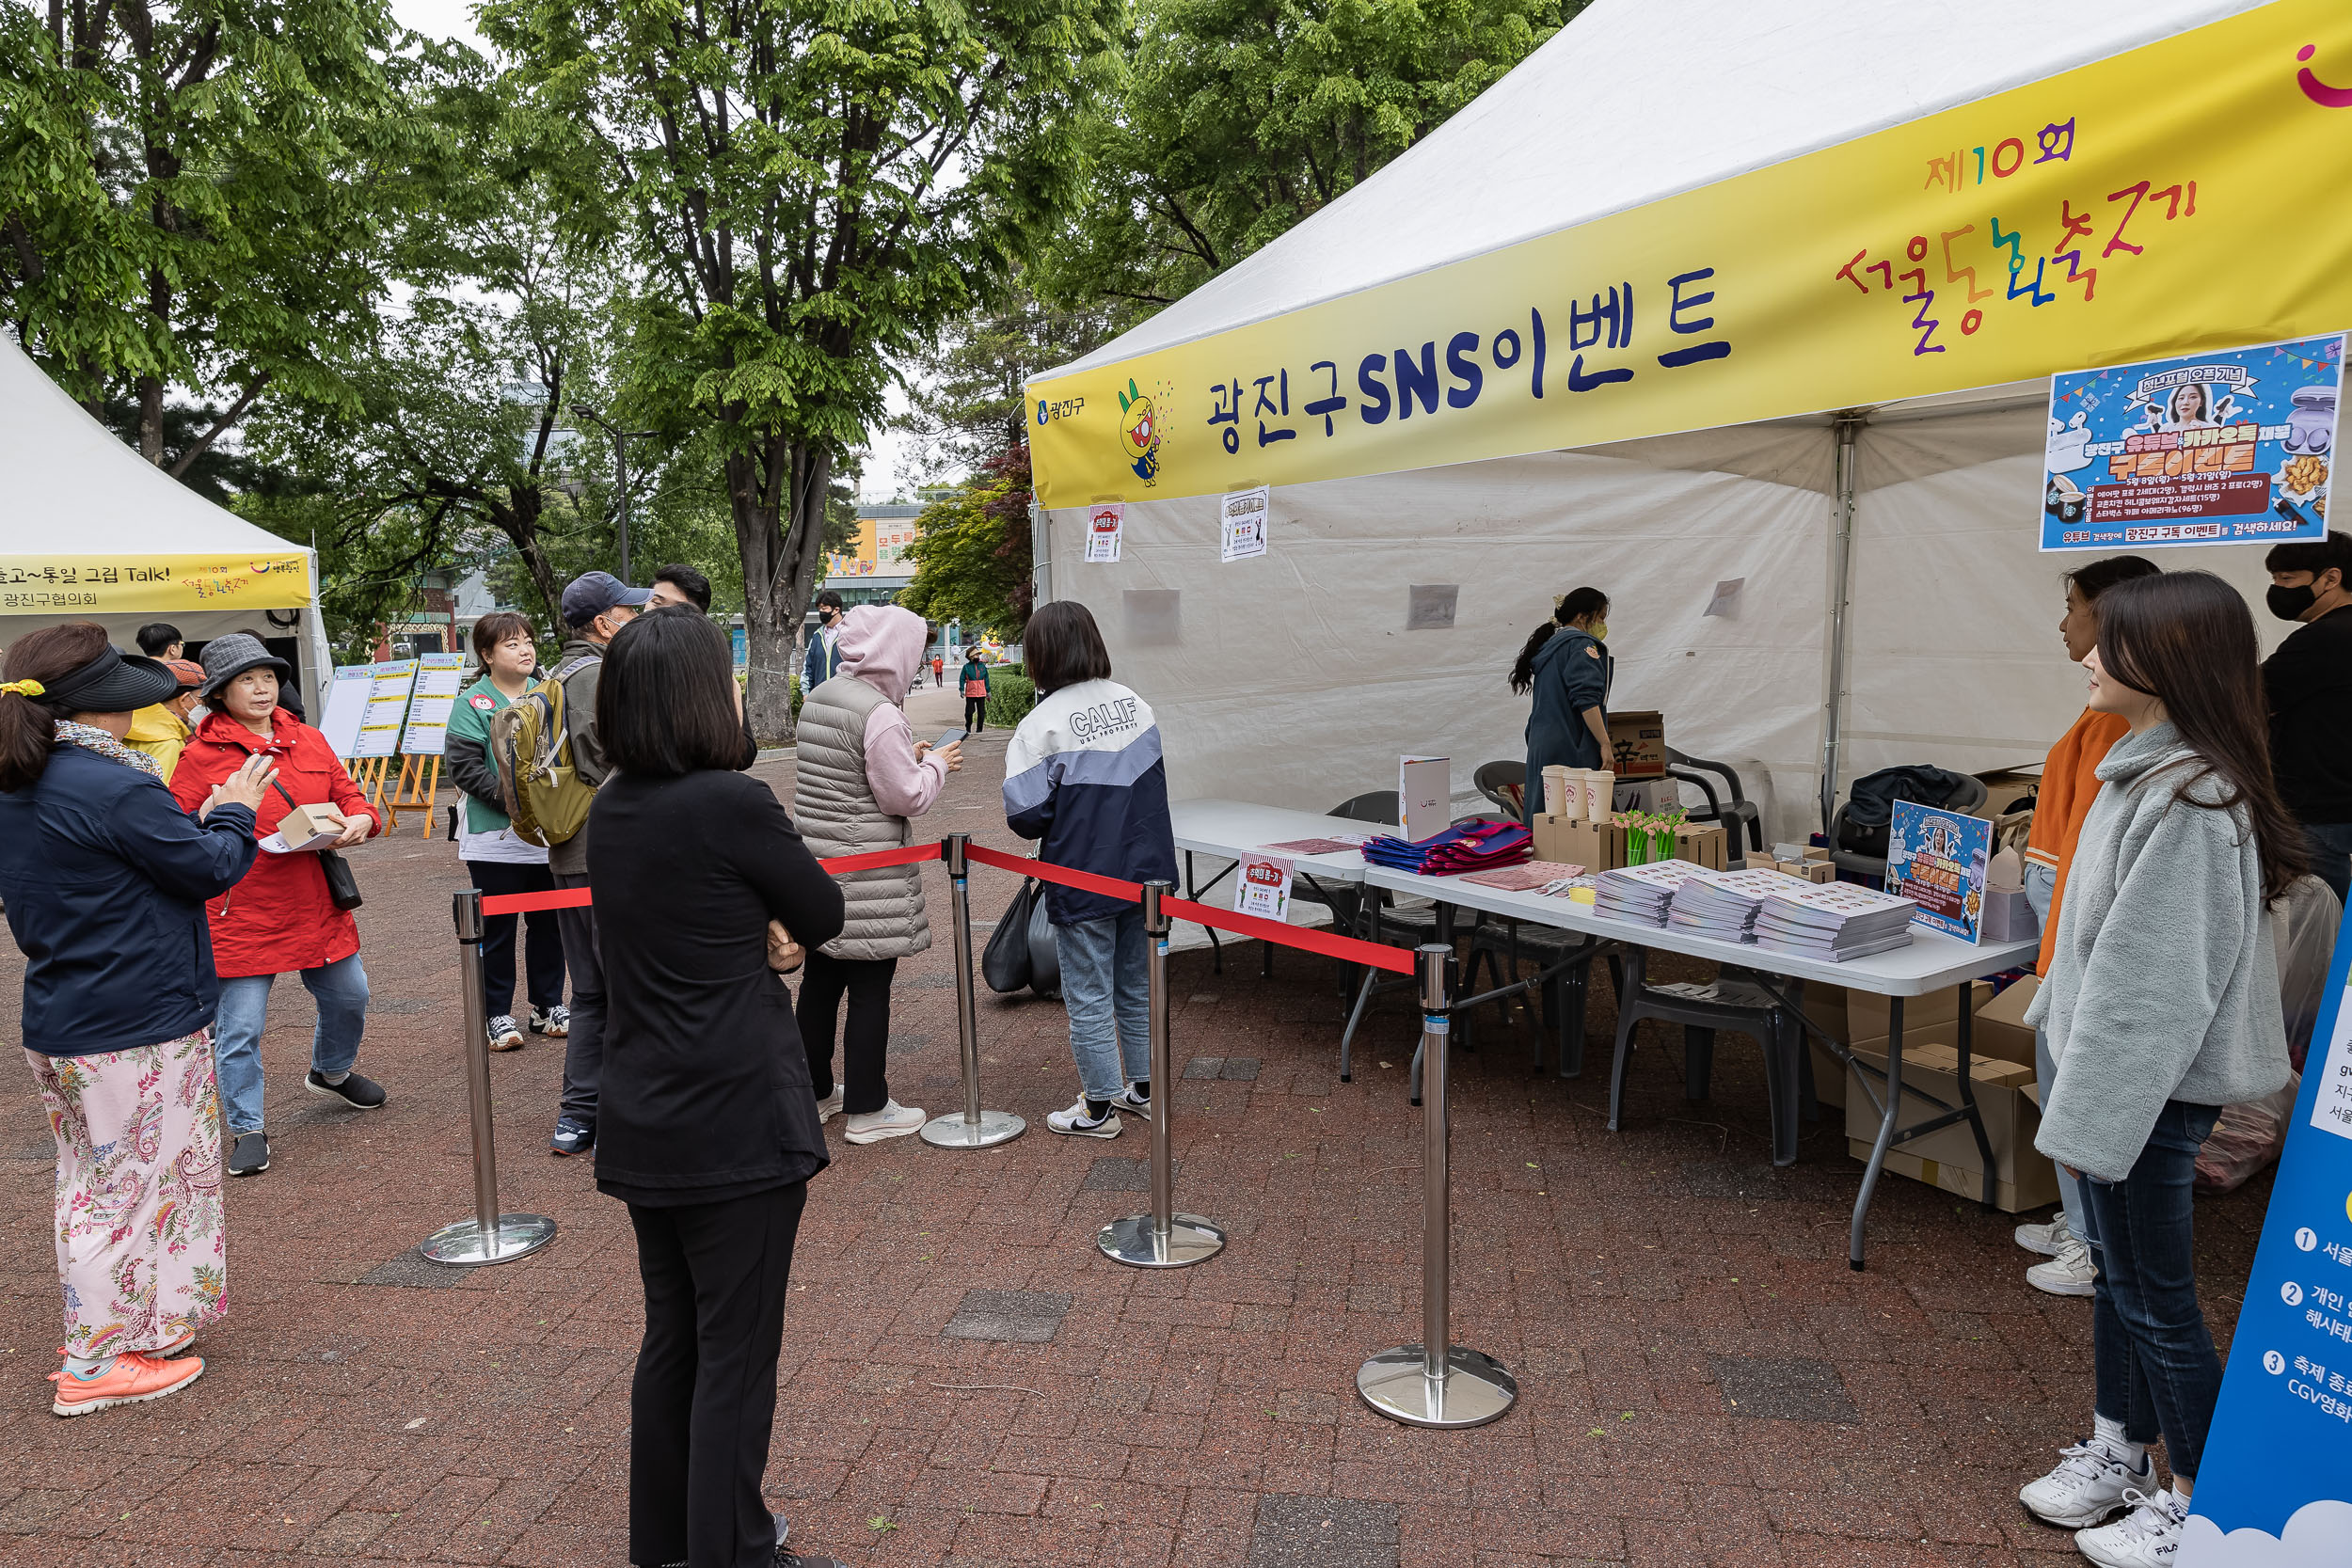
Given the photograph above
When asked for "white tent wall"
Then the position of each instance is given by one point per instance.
(314, 667)
(1291, 678)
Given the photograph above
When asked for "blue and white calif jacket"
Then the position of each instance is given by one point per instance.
(1084, 774)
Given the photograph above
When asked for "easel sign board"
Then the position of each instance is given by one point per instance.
(387, 704)
(1937, 858)
(347, 708)
(439, 678)
(2275, 1485)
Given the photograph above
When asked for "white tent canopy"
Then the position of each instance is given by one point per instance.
(70, 490)
(1292, 678)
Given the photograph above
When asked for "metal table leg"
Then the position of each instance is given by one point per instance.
(1887, 1129)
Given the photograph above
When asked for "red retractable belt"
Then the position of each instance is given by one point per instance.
(581, 898)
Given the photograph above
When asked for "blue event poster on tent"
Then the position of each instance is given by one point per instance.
(2275, 1487)
(1937, 859)
(2228, 448)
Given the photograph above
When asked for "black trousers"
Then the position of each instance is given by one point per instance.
(975, 714)
(704, 1399)
(583, 1052)
(865, 1042)
(543, 954)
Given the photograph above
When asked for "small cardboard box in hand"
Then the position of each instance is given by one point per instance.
(305, 823)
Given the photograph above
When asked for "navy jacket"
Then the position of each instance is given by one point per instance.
(105, 880)
(1084, 774)
(823, 661)
(1572, 673)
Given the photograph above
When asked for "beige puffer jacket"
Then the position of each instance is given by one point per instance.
(834, 808)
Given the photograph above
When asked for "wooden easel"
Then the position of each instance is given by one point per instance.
(367, 773)
(418, 789)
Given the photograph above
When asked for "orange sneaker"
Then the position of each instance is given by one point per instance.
(131, 1380)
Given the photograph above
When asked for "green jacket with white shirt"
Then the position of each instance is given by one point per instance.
(465, 755)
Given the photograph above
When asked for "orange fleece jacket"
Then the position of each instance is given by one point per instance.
(2069, 783)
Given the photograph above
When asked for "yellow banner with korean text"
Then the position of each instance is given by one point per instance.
(2183, 196)
(152, 584)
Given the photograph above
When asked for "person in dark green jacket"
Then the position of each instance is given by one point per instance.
(1567, 667)
(497, 861)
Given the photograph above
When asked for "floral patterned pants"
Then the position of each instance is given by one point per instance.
(142, 1246)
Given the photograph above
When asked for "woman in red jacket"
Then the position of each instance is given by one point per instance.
(279, 917)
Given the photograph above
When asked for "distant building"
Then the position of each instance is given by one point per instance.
(875, 567)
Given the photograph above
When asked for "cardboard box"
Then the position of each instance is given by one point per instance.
(1867, 1010)
(1638, 744)
(1816, 852)
(1948, 1158)
(2009, 917)
(2000, 1027)
(305, 823)
(1702, 844)
(1594, 845)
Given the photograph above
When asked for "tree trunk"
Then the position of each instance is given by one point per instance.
(776, 493)
(151, 420)
(521, 526)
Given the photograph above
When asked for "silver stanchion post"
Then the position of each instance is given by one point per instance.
(489, 1237)
(1162, 1239)
(1436, 1383)
(973, 1128)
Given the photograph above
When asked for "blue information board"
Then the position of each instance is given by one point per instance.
(2275, 1486)
(2228, 448)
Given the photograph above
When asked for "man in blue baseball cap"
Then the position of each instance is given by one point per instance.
(596, 607)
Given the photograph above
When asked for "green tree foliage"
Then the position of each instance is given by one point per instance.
(193, 194)
(967, 395)
(809, 186)
(971, 550)
(1235, 118)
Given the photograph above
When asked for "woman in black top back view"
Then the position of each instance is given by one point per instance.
(708, 1129)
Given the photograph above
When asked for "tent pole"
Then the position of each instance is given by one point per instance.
(1041, 556)
(1848, 427)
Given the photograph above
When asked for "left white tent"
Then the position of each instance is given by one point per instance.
(90, 531)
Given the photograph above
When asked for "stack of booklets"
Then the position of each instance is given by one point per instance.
(1724, 904)
(1641, 892)
(1833, 920)
(1482, 845)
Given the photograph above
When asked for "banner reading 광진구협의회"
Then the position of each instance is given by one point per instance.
(2183, 196)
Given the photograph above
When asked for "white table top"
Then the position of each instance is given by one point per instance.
(1933, 962)
(1236, 828)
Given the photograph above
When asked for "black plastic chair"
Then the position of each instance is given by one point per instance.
(1736, 813)
(1505, 785)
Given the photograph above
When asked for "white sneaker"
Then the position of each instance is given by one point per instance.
(2048, 1240)
(1133, 1103)
(1079, 1123)
(893, 1120)
(2146, 1537)
(504, 1035)
(829, 1106)
(2089, 1484)
(2071, 1273)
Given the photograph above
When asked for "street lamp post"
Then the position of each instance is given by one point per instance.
(621, 439)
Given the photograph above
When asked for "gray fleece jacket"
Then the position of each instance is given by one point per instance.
(2162, 983)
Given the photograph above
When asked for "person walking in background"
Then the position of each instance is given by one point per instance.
(495, 858)
(2307, 682)
(161, 639)
(862, 774)
(1083, 775)
(280, 917)
(2162, 1007)
(162, 729)
(824, 654)
(975, 680)
(709, 1127)
(2069, 781)
(596, 607)
(939, 672)
(105, 880)
(676, 584)
(1566, 666)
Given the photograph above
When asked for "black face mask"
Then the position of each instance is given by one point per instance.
(2288, 604)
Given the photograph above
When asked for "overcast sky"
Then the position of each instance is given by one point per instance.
(455, 19)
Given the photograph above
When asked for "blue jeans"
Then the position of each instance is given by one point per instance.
(2157, 1369)
(1105, 984)
(340, 989)
(2331, 854)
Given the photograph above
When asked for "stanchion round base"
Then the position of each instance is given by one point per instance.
(519, 1236)
(952, 1132)
(1475, 1389)
(1138, 1242)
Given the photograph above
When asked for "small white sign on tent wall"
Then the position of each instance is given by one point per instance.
(1242, 523)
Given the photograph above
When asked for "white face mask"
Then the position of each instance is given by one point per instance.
(197, 712)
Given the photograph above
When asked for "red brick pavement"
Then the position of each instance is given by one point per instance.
(1171, 1418)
